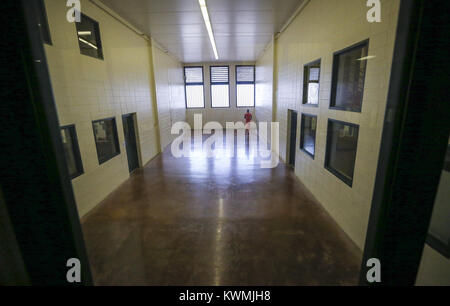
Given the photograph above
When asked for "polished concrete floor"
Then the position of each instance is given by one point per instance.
(216, 221)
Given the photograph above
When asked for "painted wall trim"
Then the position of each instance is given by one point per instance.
(293, 16)
(116, 16)
(127, 24)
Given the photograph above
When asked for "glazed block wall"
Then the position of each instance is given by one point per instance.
(221, 115)
(322, 28)
(264, 85)
(169, 85)
(87, 89)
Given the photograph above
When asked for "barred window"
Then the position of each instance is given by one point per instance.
(245, 86)
(194, 87)
(220, 86)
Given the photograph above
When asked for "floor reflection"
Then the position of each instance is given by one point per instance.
(216, 221)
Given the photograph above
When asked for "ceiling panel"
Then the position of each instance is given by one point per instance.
(242, 28)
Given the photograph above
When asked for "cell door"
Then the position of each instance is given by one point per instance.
(292, 137)
(130, 141)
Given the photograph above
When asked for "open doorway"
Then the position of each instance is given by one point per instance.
(129, 132)
(292, 121)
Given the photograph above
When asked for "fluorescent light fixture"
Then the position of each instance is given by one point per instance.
(208, 26)
(84, 33)
(366, 58)
(88, 43)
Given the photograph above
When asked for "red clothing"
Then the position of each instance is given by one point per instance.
(248, 117)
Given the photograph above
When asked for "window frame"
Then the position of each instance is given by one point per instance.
(211, 84)
(76, 150)
(335, 72)
(44, 25)
(302, 138)
(246, 83)
(97, 34)
(194, 84)
(116, 140)
(343, 178)
(306, 81)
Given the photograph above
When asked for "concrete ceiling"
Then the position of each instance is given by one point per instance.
(242, 28)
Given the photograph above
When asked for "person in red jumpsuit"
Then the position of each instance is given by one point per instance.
(248, 118)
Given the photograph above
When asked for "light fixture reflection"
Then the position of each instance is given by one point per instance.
(366, 58)
(84, 33)
(88, 43)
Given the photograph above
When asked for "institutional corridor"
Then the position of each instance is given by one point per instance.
(349, 95)
(224, 221)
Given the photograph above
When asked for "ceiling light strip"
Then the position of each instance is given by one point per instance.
(208, 26)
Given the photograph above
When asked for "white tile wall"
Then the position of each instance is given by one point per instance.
(322, 28)
(264, 85)
(86, 89)
(169, 83)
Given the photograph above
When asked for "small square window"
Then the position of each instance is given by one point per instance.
(349, 71)
(106, 139)
(308, 134)
(88, 32)
(340, 156)
(311, 80)
(43, 22)
(71, 151)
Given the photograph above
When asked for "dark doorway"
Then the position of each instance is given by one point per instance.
(130, 141)
(293, 136)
